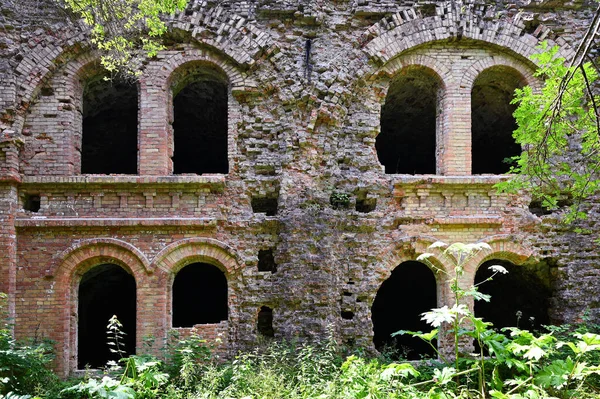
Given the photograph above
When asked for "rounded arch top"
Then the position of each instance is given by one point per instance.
(408, 249)
(412, 62)
(407, 29)
(89, 253)
(179, 254)
(503, 247)
(178, 67)
(193, 70)
(514, 72)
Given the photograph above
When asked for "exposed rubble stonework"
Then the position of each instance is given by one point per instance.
(305, 225)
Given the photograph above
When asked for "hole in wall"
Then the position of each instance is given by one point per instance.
(537, 208)
(32, 202)
(199, 295)
(104, 291)
(492, 121)
(408, 292)
(109, 132)
(47, 91)
(366, 205)
(266, 261)
(524, 289)
(264, 322)
(266, 205)
(347, 315)
(200, 127)
(407, 141)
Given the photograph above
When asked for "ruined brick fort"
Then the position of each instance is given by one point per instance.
(275, 172)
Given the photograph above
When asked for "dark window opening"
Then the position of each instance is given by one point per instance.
(266, 205)
(407, 141)
(492, 120)
(538, 208)
(32, 203)
(408, 292)
(347, 315)
(104, 291)
(200, 127)
(264, 322)
(199, 295)
(109, 135)
(519, 298)
(266, 261)
(365, 204)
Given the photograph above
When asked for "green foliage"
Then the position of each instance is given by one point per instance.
(24, 367)
(125, 29)
(563, 363)
(558, 129)
(115, 336)
(339, 200)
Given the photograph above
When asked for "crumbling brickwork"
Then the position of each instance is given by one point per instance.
(306, 84)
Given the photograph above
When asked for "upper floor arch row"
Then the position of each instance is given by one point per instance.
(242, 43)
(461, 47)
(89, 107)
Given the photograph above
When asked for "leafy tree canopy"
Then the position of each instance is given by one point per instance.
(124, 30)
(558, 128)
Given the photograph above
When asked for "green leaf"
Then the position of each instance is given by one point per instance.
(444, 376)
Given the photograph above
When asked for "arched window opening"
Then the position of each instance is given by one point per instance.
(110, 125)
(199, 295)
(408, 292)
(492, 120)
(104, 291)
(200, 122)
(264, 322)
(407, 141)
(519, 298)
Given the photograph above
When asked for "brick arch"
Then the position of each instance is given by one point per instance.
(503, 247)
(72, 264)
(86, 252)
(403, 250)
(441, 71)
(181, 253)
(383, 80)
(160, 73)
(499, 60)
(35, 70)
(408, 29)
(156, 99)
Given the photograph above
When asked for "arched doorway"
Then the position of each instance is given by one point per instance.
(399, 303)
(104, 290)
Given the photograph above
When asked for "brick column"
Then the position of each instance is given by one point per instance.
(154, 154)
(454, 142)
(9, 199)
